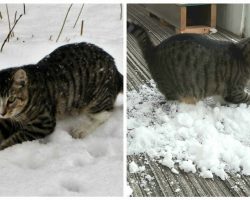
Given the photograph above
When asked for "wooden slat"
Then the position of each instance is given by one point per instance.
(183, 18)
(196, 29)
(213, 15)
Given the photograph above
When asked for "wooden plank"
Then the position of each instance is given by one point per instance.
(183, 18)
(177, 183)
(134, 180)
(196, 29)
(222, 187)
(169, 13)
(153, 186)
(150, 185)
(164, 185)
(213, 15)
(241, 184)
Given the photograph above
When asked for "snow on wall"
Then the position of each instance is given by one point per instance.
(60, 165)
(208, 139)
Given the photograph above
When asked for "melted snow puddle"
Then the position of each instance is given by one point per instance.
(200, 138)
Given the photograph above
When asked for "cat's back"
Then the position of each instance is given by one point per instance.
(80, 76)
(192, 39)
(76, 52)
(189, 64)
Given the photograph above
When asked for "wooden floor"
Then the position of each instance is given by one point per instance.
(158, 180)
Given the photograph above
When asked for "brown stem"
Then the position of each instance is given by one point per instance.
(24, 9)
(78, 16)
(82, 27)
(64, 22)
(15, 17)
(121, 11)
(10, 33)
(8, 18)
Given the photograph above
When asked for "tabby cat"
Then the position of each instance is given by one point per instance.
(73, 79)
(190, 67)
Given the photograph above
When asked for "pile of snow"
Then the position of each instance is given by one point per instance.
(134, 168)
(208, 139)
(128, 191)
(60, 165)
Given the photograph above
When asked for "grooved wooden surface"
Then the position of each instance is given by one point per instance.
(156, 179)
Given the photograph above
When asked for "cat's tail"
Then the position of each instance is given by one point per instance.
(142, 38)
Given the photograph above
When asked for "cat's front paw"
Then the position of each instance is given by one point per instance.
(4, 144)
(1, 137)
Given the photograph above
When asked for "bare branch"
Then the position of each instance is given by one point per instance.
(78, 15)
(15, 17)
(8, 18)
(121, 11)
(64, 22)
(24, 9)
(10, 32)
(82, 27)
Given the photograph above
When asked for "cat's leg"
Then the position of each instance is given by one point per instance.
(13, 132)
(220, 99)
(90, 124)
(7, 128)
(238, 95)
(188, 100)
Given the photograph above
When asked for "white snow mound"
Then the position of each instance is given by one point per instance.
(210, 139)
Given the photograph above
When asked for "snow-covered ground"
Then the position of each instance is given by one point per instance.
(61, 165)
(208, 139)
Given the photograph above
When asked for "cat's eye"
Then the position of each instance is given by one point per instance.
(11, 99)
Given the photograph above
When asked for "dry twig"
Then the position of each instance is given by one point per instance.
(24, 9)
(78, 16)
(10, 33)
(121, 11)
(8, 19)
(82, 27)
(64, 22)
(15, 17)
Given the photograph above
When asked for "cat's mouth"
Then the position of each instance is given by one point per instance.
(10, 114)
(3, 112)
(5, 115)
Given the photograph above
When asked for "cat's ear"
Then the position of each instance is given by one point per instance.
(20, 78)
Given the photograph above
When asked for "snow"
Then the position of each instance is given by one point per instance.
(60, 165)
(187, 166)
(177, 190)
(175, 171)
(149, 178)
(134, 168)
(167, 161)
(206, 174)
(213, 30)
(206, 138)
(128, 190)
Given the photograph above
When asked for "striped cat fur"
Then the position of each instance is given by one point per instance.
(73, 79)
(191, 67)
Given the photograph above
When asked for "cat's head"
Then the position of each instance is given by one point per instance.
(13, 92)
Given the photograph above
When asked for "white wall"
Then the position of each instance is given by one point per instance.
(247, 21)
(229, 17)
(233, 18)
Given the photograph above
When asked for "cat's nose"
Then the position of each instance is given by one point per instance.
(3, 112)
